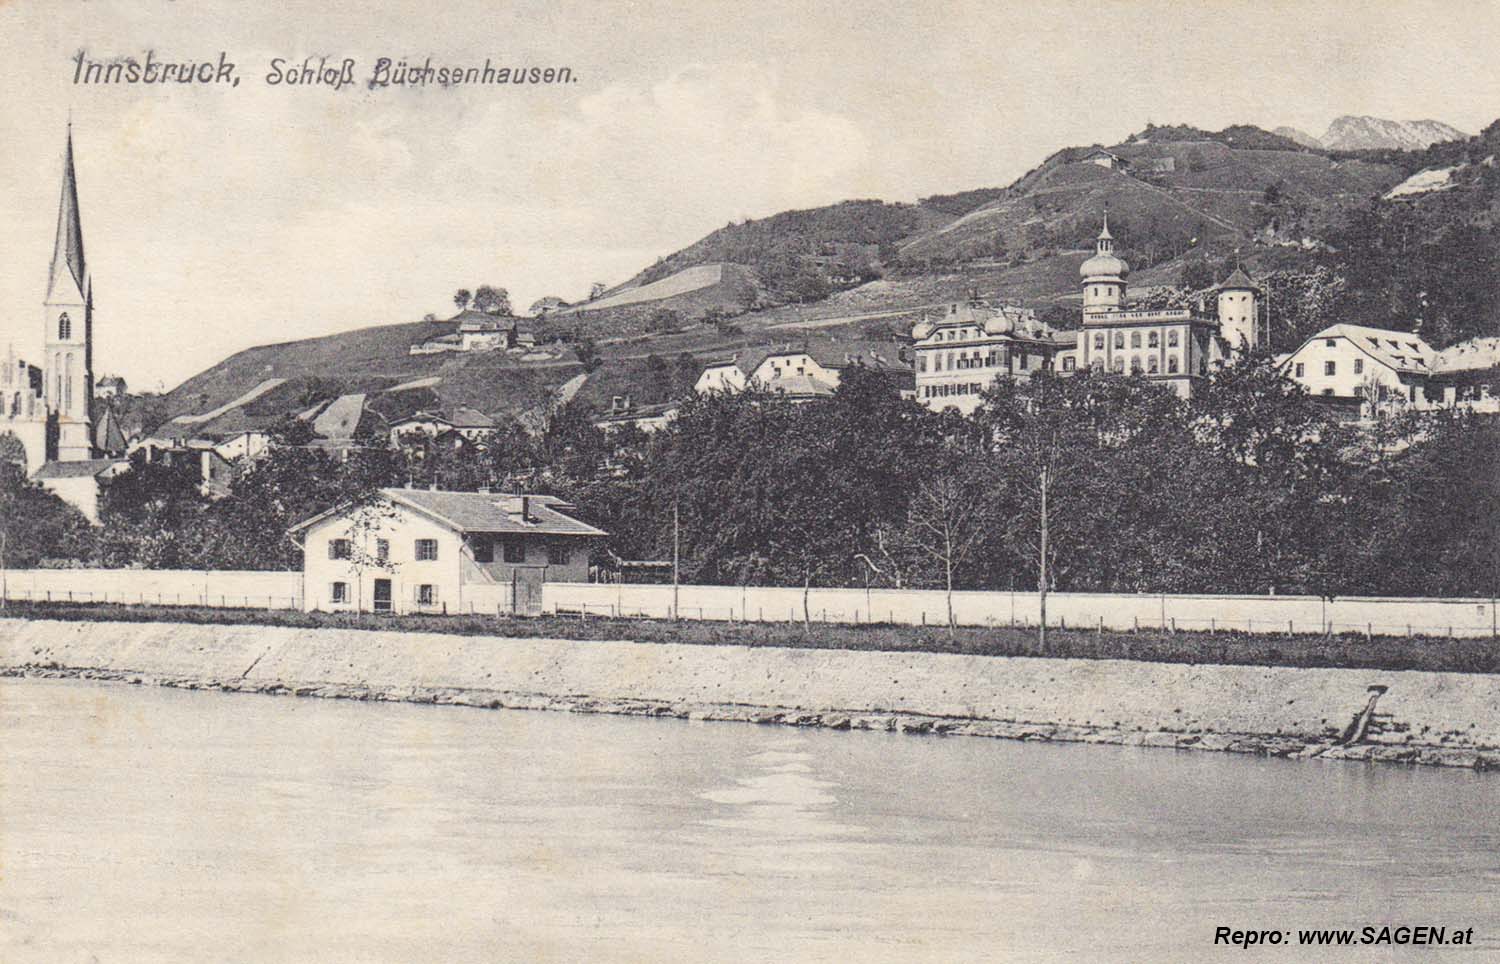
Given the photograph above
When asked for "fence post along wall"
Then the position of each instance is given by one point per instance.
(1390, 616)
(224, 588)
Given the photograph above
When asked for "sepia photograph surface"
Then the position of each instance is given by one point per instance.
(724, 482)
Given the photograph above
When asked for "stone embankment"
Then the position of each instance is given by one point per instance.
(1447, 719)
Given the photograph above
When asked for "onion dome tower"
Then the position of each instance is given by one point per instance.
(1104, 275)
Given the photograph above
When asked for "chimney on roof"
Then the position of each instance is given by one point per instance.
(525, 508)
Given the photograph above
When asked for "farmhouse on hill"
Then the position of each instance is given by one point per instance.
(804, 373)
(421, 550)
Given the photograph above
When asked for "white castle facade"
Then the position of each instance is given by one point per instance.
(960, 353)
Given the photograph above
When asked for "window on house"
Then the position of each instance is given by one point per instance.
(339, 592)
(558, 554)
(1135, 339)
(1330, 368)
(1171, 364)
(426, 550)
(921, 363)
(1327, 391)
(1152, 365)
(1329, 342)
(339, 549)
(1172, 339)
(1359, 366)
(1119, 366)
(1119, 339)
(1299, 370)
(484, 549)
(64, 327)
(1153, 340)
(1068, 364)
(1135, 364)
(426, 594)
(515, 550)
(1099, 340)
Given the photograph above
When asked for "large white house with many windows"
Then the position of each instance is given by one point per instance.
(420, 550)
(1368, 369)
(964, 348)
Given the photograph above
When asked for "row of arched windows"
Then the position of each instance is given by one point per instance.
(1152, 365)
(1153, 339)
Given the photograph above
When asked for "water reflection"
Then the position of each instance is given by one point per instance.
(778, 793)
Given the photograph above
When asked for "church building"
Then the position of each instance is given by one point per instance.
(48, 412)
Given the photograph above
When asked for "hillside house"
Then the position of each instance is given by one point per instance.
(721, 376)
(1375, 369)
(545, 306)
(418, 550)
(1105, 159)
(110, 386)
(1350, 362)
(647, 418)
(808, 372)
(487, 334)
(469, 424)
(478, 331)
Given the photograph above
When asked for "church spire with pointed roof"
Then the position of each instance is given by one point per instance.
(68, 311)
(69, 269)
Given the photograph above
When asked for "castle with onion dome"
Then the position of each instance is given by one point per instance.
(960, 352)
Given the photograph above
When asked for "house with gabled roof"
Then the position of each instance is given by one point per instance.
(461, 422)
(1358, 364)
(424, 550)
(804, 372)
(77, 483)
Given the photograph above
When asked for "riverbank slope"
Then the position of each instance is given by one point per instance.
(1435, 718)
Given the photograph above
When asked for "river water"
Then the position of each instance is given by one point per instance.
(156, 824)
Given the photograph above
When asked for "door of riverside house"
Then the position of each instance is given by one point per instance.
(526, 589)
(382, 596)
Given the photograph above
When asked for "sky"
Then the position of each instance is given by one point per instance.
(217, 218)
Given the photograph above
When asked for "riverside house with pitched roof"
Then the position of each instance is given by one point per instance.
(421, 550)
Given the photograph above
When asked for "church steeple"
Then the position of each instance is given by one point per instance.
(68, 278)
(68, 313)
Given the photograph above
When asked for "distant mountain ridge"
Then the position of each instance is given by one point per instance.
(1299, 136)
(1363, 133)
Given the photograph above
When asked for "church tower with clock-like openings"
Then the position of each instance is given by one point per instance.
(68, 355)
